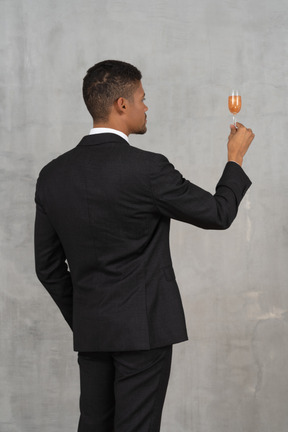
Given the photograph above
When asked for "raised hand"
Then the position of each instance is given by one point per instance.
(239, 141)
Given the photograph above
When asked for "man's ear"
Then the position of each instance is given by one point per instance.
(121, 104)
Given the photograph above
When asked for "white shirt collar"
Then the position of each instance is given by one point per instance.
(99, 130)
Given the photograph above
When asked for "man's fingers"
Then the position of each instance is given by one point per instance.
(252, 136)
(233, 130)
(243, 136)
(244, 129)
(251, 132)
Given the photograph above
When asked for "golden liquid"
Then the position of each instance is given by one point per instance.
(234, 104)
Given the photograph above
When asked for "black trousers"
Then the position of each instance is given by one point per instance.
(123, 391)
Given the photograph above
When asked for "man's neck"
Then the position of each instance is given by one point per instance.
(112, 125)
(99, 130)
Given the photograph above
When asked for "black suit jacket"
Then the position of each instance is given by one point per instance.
(104, 208)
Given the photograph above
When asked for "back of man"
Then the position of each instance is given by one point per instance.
(100, 201)
(105, 207)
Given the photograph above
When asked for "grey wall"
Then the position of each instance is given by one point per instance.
(232, 375)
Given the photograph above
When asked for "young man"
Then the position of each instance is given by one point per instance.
(105, 207)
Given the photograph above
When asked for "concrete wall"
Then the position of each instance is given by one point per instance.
(232, 375)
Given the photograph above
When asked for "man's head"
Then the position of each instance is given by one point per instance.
(113, 94)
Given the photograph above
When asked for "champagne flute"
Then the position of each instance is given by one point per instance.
(234, 104)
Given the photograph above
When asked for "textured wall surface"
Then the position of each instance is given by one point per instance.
(232, 375)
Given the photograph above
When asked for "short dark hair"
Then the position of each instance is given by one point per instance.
(105, 82)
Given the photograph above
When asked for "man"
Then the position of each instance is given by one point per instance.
(105, 207)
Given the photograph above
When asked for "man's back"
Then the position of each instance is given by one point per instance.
(99, 199)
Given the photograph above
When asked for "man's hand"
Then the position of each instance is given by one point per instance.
(239, 141)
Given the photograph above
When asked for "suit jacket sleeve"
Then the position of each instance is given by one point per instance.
(179, 199)
(50, 261)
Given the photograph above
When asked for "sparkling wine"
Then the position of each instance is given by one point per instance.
(234, 104)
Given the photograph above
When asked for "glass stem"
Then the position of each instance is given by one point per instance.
(234, 121)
